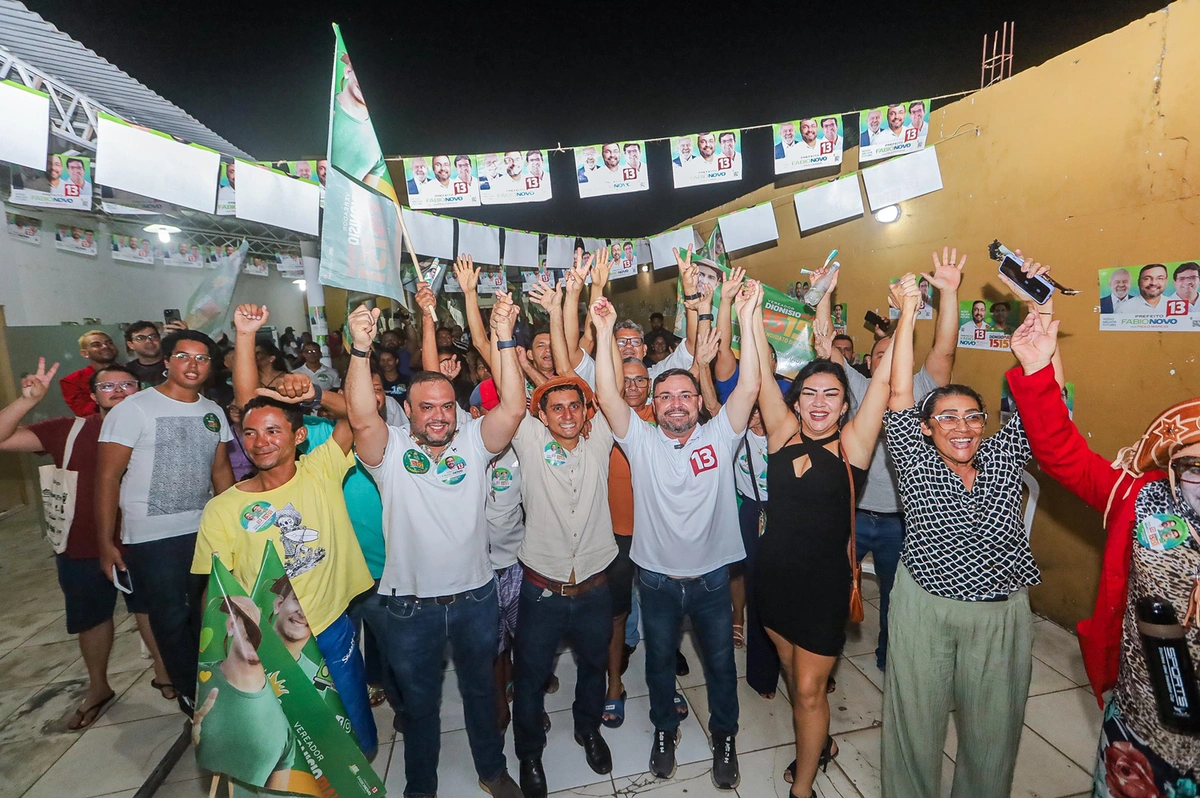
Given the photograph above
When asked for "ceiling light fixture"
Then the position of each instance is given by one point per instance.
(163, 231)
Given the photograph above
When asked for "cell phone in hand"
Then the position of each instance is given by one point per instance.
(1038, 288)
(171, 314)
(122, 580)
(875, 320)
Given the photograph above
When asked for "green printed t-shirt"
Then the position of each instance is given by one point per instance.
(245, 735)
(354, 147)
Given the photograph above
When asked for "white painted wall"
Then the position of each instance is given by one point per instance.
(40, 285)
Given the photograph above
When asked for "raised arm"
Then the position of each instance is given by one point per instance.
(551, 300)
(13, 437)
(781, 423)
(706, 350)
(726, 362)
(499, 426)
(298, 389)
(607, 393)
(824, 318)
(901, 379)
(1046, 311)
(428, 304)
(370, 431)
(468, 279)
(689, 277)
(248, 319)
(741, 401)
(945, 277)
(572, 285)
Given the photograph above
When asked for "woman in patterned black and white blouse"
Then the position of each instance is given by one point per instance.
(960, 630)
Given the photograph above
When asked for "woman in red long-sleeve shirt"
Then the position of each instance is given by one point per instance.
(1156, 480)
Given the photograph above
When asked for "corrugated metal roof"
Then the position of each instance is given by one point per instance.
(43, 46)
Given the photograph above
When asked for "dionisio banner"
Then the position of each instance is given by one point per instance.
(1156, 297)
(703, 158)
(892, 130)
(987, 325)
(810, 143)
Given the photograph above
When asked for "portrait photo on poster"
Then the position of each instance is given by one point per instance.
(506, 178)
(1155, 297)
(699, 159)
(442, 181)
(892, 130)
(26, 229)
(988, 325)
(65, 183)
(612, 168)
(75, 240)
(809, 143)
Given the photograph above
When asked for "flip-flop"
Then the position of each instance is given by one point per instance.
(161, 686)
(84, 718)
(830, 685)
(739, 635)
(616, 708)
(681, 705)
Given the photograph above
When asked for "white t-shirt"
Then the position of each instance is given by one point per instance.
(684, 512)
(433, 520)
(888, 136)
(169, 479)
(758, 456)
(681, 358)
(324, 378)
(1139, 305)
(504, 513)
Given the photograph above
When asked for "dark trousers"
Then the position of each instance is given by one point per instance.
(881, 534)
(705, 599)
(417, 633)
(762, 658)
(585, 622)
(369, 610)
(161, 572)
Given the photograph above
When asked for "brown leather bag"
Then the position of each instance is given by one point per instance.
(856, 602)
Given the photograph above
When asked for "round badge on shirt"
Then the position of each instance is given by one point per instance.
(555, 454)
(1162, 532)
(416, 462)
(502, 479)
(211, 422)
(257, 516)
(452, 469)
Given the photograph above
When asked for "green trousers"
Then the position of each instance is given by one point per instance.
(972, 657)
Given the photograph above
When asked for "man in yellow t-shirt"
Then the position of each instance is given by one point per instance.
(298, 506)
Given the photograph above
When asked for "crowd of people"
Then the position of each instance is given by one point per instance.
(549, 476)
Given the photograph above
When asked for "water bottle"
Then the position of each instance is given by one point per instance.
(1164, 643)
(817, 290)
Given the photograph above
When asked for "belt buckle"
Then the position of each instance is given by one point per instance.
(562, 589)
(445, 601)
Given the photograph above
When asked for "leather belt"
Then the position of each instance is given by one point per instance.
(876, 514)
(565, 588)
(443, 600)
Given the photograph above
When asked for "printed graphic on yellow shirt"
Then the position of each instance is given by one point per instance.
(298, 556)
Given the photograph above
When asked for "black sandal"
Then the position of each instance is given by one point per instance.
(827, 756)
(162, 686)
(83, 718)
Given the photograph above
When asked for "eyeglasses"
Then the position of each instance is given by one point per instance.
(951, 421)
(640, 382)
(684, 396)
(180, 357)
(109, 387)
(629, 342)
(141, 339)
(1187, 469)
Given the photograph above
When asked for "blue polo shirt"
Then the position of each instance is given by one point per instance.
(725, 387)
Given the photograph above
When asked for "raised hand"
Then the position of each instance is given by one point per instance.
(1035, 341)
(601, 268)
(466, 274)
(701, 304)
(604, 315)
(821, 272)
(689, 275)
(549, 298)
(426, 299)
(747, 299)
(249, 318)
(947, 270)
(175, 326)
(732, 283)
(707, 346)
(504, 316)
(363, 323)
(451, 367)
(822, 339)
(1031, 269)
(34, 386)
(291, 389)
(905, 294)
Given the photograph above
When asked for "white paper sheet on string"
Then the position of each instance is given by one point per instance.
(520, 249)
(155, 165)
(560, 252)
(271, 197)
(662, 246)
(480, 241)
(643, 252)
(830, 202)
(903, 178)
(24, 124)
(432, 235)
(592, 244)
(749, 227)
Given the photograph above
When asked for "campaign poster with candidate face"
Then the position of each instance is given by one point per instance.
(709, 157)
(75, 240)
(624, 259)
(132, 248)
(1155, 297)
(442, 181)
(839, 318)
(987, 325)
(612, 168)
(227, 190)
(26, 229)
(540, 276)
(925, 310)
(182, 252)
(506, 178)
(892, 130)
(289, 262)
(66, 183)
(809, 143)
(257, 266)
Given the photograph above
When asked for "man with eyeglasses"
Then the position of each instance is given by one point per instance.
(311, 366)
(98, 348)
(89, 597)
(144, 342)
(686, 533)
(161, 458)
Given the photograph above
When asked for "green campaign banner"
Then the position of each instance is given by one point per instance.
(360, 230)
(787, 321)
(209, 307)
(259, 719)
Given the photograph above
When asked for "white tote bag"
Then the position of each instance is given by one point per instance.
(58, 494)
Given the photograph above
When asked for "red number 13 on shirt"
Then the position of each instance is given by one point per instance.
(703, 459)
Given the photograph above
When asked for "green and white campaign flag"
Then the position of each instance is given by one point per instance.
(261, 718)
(209, 307)
(360, 232)
(892, 130)
(709, 157)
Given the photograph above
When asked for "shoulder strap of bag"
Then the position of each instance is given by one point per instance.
(853, 505)
(71, 436)
(750, 466)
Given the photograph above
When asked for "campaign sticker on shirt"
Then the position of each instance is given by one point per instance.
(257, 516)
(212, 422)
(555, 454)
(452, 469)
(416, 462)
(1162, 532)
(502, 479)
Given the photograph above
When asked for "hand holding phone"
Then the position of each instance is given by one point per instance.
(122, 580)
(875, 320)
(171, 314)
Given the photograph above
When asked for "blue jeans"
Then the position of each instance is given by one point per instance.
(369, 609)
(706, 599)
(585, 621)
(161, 572)
(632, 637)
(417, 633)
(762, 658)
(339, 647)
(883, 535)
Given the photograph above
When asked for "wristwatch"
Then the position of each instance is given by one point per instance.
(509, 344)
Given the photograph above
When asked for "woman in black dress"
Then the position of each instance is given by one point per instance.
(802, 572)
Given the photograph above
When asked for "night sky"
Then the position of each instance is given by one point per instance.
(469, 77)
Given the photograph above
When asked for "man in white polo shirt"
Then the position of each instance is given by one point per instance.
(433, 478)
(686, 532)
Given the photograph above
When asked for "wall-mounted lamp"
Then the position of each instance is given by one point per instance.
(301, 284)
(888, 214)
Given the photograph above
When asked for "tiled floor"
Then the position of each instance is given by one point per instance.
(41, 678)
